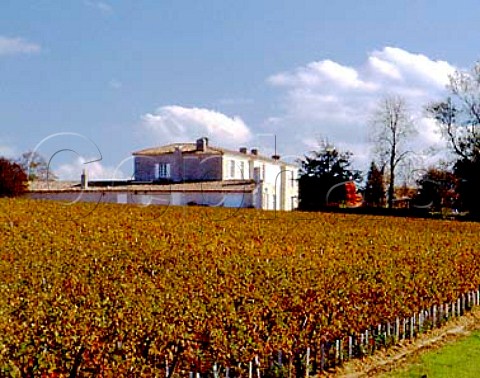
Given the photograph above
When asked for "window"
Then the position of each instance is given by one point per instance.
(162, 170)
(263, 172)
(242, 169)
(232, 169)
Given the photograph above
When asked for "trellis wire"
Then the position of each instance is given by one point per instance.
(354, 345)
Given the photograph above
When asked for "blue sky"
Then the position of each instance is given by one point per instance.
(132, 74)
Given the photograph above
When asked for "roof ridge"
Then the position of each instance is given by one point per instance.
(168, 149)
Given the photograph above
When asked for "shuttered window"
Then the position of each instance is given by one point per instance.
(162, 170)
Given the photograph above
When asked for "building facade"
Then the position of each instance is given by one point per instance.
(276, 184)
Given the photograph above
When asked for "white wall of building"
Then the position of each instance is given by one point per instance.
(235, 168)
(178, 198)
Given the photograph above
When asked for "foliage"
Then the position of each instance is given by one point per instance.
(469, 185)
(352, 197)
(437, 190)
(323, 175)
(391, 130)
(35, 166)
(375, 188)
(459, 120)
(13, 180)
(121, 291)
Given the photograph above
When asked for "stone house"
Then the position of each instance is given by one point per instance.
(190, 174)
(276, 185)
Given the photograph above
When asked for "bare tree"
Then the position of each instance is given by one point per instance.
(459, 115)
(391, 129)
(35, 166)
(459, 121)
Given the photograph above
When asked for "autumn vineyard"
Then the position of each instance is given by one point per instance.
(118, 290)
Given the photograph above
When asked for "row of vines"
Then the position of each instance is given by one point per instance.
(119, 290)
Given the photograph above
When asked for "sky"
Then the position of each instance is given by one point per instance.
(87, 82)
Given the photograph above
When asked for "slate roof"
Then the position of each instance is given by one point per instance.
(191, 148)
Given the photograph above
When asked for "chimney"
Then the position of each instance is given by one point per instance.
(177, 153)
(254, 151)
(202, 144)
(243, 150)
(84, 179)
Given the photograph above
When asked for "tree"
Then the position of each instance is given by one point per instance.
(437, 190)
(391, 129)
(35, 166)
(13, 180)
(375, 188)
(459, 120)
(468, 173)
(321, 177)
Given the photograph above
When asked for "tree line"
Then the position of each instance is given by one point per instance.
(452, 184)
(325, 173)
(16, 174)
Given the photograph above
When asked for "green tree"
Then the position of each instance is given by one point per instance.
(459, 120)
(13, 180)
(375, 189)
(321, 177)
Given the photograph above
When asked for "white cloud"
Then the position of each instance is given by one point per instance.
(417, 69)
(17, 45)
(179, 124)
(327, 99)
(99, 5)
(383, 67)
(322, 73)
(95, 170)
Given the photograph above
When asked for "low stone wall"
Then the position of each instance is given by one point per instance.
(207, 198)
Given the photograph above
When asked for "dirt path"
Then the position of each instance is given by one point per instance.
(404, 354)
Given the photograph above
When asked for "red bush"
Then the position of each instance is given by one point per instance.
(13, 180)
